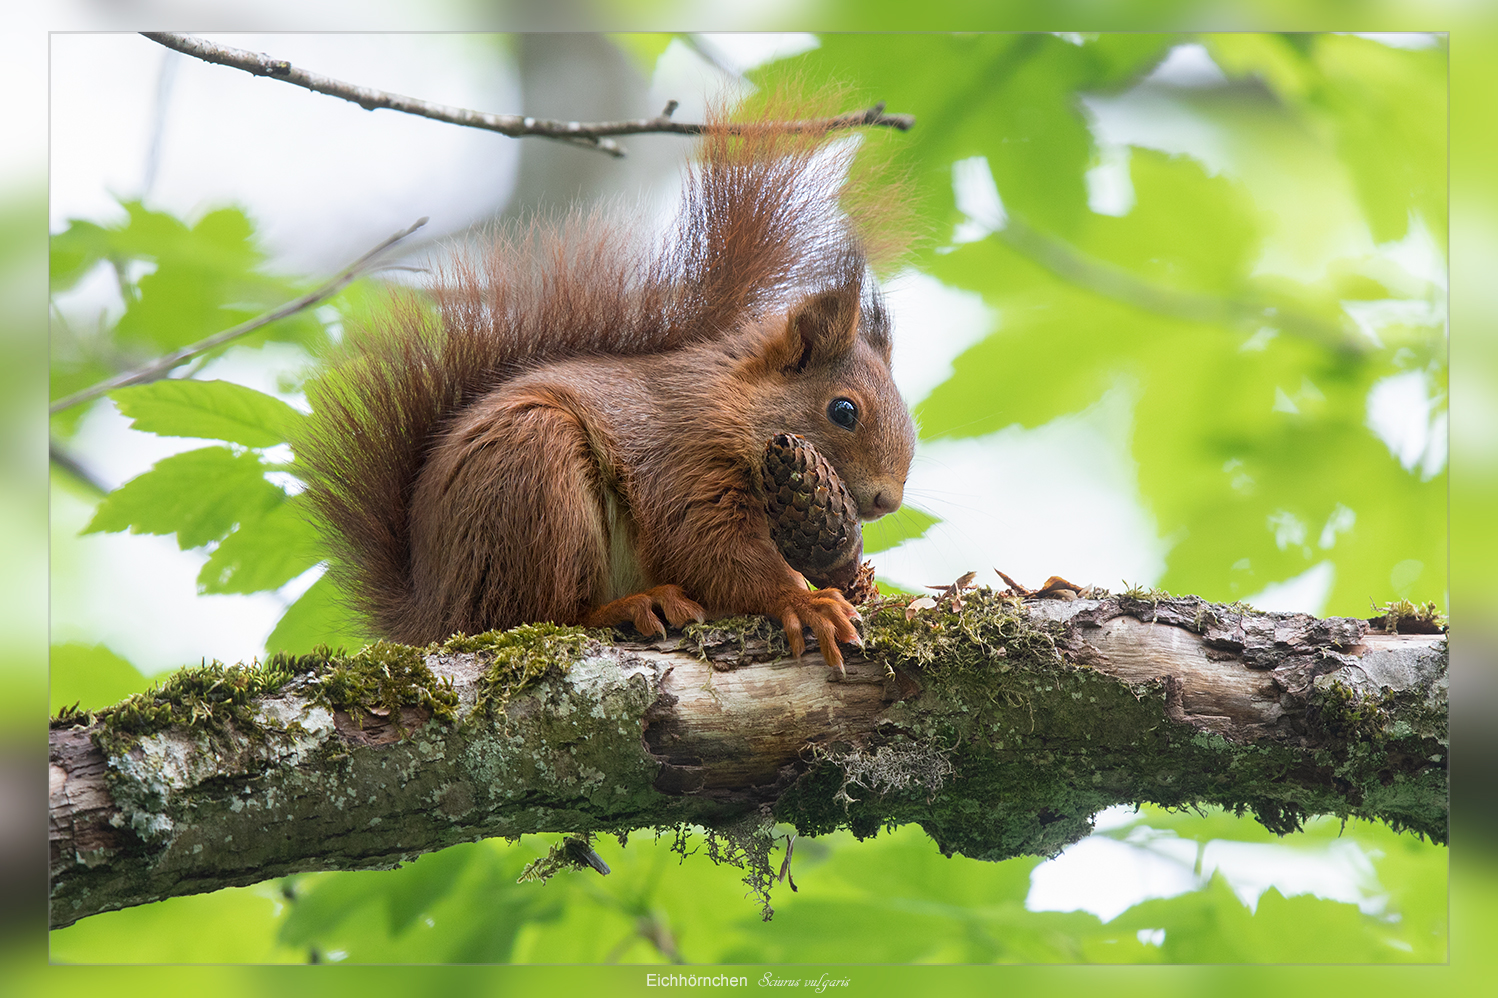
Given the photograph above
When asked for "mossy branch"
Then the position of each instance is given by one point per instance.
(1000, 726)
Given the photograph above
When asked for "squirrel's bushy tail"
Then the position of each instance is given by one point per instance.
(766, 215)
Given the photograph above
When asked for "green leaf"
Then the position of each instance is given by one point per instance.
(1272, 60)
(1214, 926)
(91, 676)
(319, 617)
(1009, 97)
(146, 234)
(905, 523)
(1046, 360)
(199, 496)
(198, 280)
(412, 890)
(644, 49)
(205, 278)
(264, 553)
(377, 916)
(1384, 99)
(73, 252)
(1411, 928)
(323, 903)
(1188, 231)
(220, 410)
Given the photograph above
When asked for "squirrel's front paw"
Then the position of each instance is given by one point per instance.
(829, 615)
(639, 609)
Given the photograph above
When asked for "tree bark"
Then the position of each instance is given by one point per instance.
(1000, 727)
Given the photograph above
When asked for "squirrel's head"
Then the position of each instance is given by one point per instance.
(829, 380)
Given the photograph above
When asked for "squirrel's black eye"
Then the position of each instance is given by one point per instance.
(843, 412)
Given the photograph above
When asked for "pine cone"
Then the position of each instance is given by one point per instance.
(813, 517)
(863, 588)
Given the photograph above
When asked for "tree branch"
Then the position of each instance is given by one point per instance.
(1111, 281)
(1001, 728)
(593, 135)
(61, 458)
(159, 367)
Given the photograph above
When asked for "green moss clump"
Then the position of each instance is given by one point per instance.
(388, 676)
(521, 656)
(989, 633)
(573, 852)
(1345, 713)
(743, 843)
(71, 717)
(743, 629)
(206, 698)
(1402, 616)
(1280, 817)
(383, 676)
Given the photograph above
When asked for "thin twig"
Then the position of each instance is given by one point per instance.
(592, 135)
(161, 365)
(70, 464)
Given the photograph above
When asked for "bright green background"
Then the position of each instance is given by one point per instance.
(1473, 492)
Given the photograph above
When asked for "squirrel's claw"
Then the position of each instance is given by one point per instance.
(792, 624)
(675, 605)
(830, 617)
(646, 622)
(639, 609)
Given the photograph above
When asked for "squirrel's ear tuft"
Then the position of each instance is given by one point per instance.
(873, 324)
(820, 329)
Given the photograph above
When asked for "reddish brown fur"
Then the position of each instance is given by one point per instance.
(575, 438)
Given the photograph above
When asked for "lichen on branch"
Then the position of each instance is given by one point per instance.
(1000, 725)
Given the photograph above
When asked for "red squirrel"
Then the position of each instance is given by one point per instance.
(573, 433)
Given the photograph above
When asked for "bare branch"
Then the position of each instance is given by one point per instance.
(159, 367)
(70, 464)
(593, 135)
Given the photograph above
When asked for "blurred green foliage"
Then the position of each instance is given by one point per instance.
(1251, 303)
(90, 677)
(1252, 377)
(890, 899)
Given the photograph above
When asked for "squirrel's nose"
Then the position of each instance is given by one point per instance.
(886, 500)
